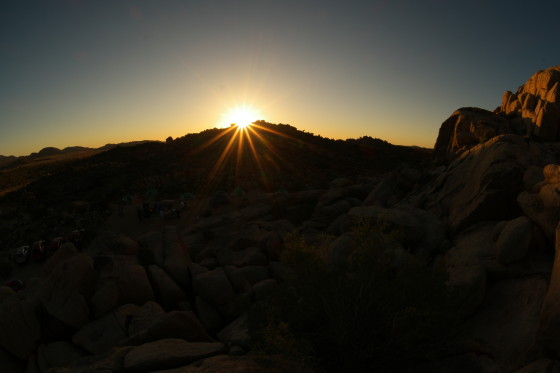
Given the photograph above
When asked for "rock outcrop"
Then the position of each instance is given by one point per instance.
(537, 103)
(465, 128)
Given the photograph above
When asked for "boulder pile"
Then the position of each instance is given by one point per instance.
(170, 300)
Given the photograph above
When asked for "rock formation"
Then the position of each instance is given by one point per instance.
(537, 104)
(180, 300)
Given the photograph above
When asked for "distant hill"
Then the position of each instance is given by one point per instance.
(6, 160)
(268, 158)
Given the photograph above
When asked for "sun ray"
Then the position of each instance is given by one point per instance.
(240, 115)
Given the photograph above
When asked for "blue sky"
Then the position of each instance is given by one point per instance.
(89, 72)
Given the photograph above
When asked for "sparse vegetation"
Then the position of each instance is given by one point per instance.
(375, 311)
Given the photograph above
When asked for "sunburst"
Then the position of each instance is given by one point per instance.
(241, 115)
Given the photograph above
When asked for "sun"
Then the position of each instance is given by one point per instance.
(241, 115)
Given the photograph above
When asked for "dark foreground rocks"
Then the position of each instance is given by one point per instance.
(487, 215)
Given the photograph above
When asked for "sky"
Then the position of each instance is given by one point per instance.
(91, 72)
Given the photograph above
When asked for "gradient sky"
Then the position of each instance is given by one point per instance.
(90, 72)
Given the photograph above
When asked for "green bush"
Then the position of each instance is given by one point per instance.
(376, 311)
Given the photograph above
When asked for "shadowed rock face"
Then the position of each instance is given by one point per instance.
(465, 128)
(534, 109)
(537, 102)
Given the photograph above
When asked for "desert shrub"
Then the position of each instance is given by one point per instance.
(376, 310)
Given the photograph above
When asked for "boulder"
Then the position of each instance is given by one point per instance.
(132, 282)
(255, 211)
(264, 288)
(111, 361)
(101, 335)
(537, 103)
(111, 243)
(386, 193)
(249, 256)
(177, 259)
(57, 354)
(514, 240)
(208, 315)
(167, 290)
(237, 279)
(549, 331)
(19, 323)
(236, 333)
(175, 324)
(333, 195)
(169, 353)
(66, 290)
(542, 204)
(144, 317)
(151, 247)
(481, 184)
(508, 321)
(541, 366)
(242, 364)
(465, 128)
(214, 286)
(105, 298)
(5, 292)
(64, 252)
(9, 363)
(254, 274)
(465, 264)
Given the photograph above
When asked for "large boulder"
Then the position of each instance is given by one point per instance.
(549, 332)
(9, 363)
(542, 204)
(514, 240)
(103, 334)
(57, 354)
(122, 280)
(19, 325)
(215, 287)
(508, 321)
(175, 324)
(111, 361)
(64, 252)
(113, 243)
(66, 290)
(169, 353)
(241, 364)
(466, 263)
(176, 260)
(537, 103)
(167, 290)
(465, 128)
(483, 183)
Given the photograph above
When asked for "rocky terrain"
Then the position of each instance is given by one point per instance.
(316, 255)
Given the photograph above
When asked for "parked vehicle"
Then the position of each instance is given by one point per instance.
(21, 255)
(15, 284)
(39, 250)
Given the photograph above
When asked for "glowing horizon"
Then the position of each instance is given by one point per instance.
(340, 70)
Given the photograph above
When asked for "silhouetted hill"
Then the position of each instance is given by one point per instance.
(267, 157)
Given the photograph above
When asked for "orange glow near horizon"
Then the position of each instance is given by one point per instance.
(240, 115)
(242, 143)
